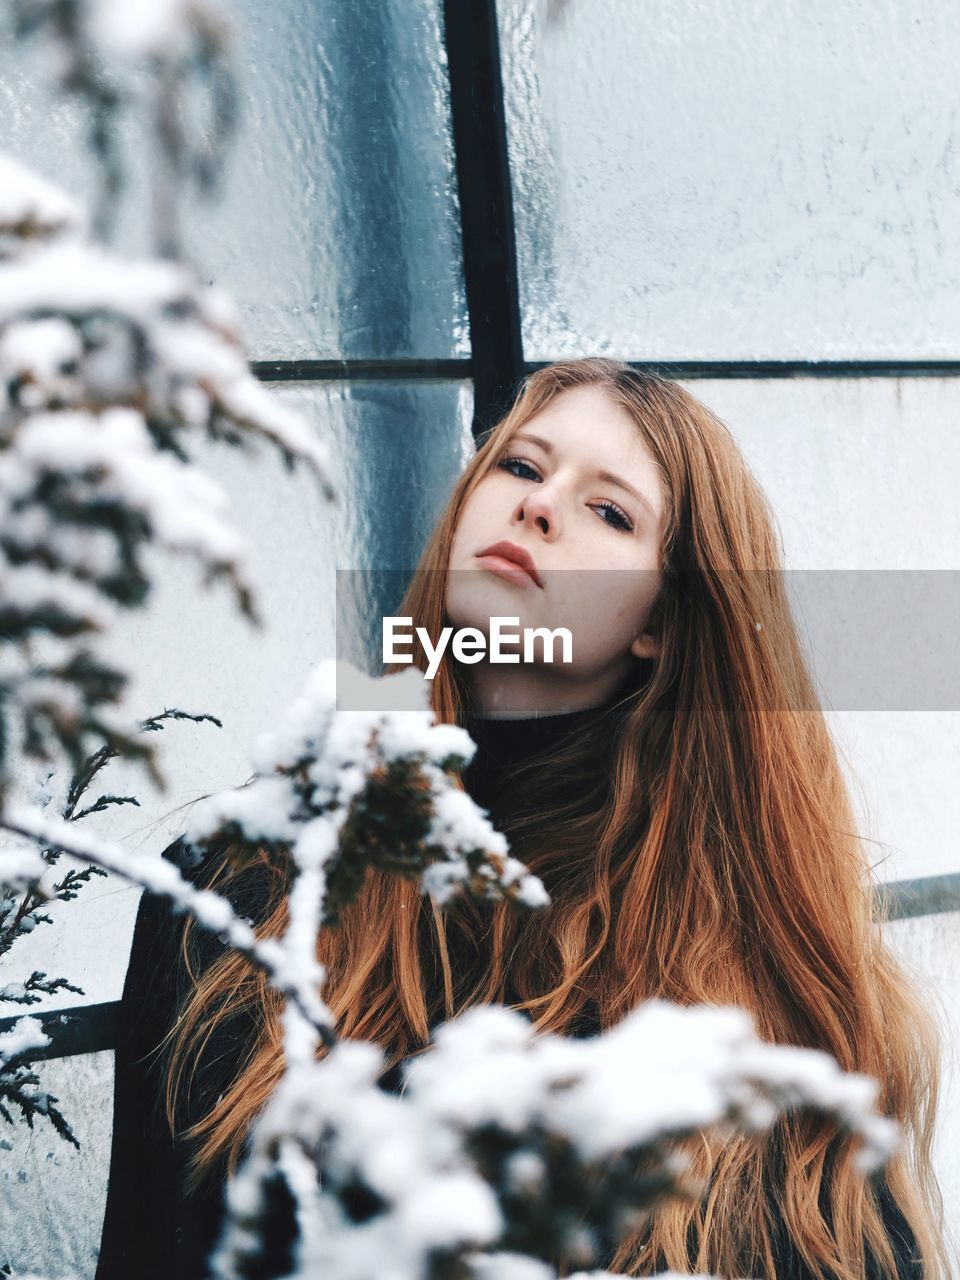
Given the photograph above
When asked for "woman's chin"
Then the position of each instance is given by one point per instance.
(476, 604)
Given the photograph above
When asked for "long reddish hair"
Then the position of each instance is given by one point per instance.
(715, 860)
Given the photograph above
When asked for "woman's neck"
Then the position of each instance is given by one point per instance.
(533, 694)
(505, 744)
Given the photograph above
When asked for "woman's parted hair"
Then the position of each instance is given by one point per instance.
(716, 861)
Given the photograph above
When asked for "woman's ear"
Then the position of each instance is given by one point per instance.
(646, 645)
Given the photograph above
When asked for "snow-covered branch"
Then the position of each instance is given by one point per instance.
(210, 910)
(109, 372)
(326, 781)
(155, 58)
(508, 1144)
(20, 1088)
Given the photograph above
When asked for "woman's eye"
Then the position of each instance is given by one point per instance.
(507, 463)
(621, 520)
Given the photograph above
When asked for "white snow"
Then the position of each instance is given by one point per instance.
(25, 1034)
(337, 751)
(138, 29)
(29, 201)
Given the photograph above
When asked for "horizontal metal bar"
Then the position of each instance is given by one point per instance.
(360, 370)
(424, 370)
(92, 1028)
(85, 1028)
(926, 896)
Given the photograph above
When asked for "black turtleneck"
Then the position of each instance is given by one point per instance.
(503, 744)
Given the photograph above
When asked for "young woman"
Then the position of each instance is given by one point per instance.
(676, 788)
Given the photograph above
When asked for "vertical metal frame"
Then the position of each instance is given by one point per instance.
(486, 206)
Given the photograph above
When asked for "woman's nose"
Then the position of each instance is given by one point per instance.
(541, 507)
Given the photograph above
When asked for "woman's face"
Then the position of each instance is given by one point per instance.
(595, 542)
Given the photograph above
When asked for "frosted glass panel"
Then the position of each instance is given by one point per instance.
(339, 227)
(699, 181)
(861, 475)
(52, 1196)
(931, 947)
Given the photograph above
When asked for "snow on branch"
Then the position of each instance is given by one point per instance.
(209, 909)
(19, 1087)
(349, 790)
(32, 208)
(508, 1147)
(157, 56)
(139, 29)
(110, 370)
(336, 792)
(148, 335)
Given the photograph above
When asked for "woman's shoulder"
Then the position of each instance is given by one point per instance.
(249, 888)
(195, 864)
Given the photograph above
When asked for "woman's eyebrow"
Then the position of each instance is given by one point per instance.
(608, 476)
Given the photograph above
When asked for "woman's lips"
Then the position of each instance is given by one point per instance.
(507, 569)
